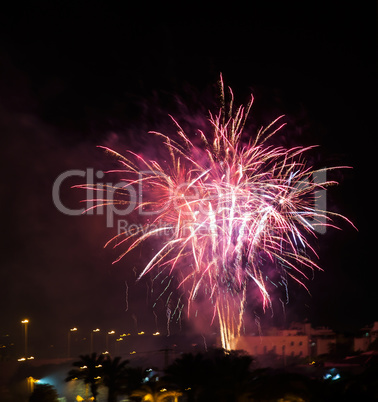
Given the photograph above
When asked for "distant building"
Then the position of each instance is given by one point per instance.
(300, 340)
(281, 345)
(322, 340)
(361, 344)
(367, 335)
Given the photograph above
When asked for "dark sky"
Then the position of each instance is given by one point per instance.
(73, 77)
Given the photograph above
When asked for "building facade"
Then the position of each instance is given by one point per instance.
(300, 340)
(280, 345)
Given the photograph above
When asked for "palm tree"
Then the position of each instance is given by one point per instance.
(89, 370)
(153, 392)
(114, 376)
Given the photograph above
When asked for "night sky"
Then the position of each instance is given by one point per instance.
(73, 77)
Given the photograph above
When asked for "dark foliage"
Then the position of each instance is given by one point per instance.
(215, 375)
(88, 369)
(44, 393)
(114, 376)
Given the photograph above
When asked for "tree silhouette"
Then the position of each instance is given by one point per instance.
(190, 374)
(114, 376)
(135, 378)
(231, 374)
(216, 375)
(89, 370)
(44, 393)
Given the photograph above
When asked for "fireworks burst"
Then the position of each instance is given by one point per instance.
(222, 208)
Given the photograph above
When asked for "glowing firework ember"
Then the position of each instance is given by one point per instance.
(227, 206)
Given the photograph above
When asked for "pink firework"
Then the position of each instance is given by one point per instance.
(225, 204)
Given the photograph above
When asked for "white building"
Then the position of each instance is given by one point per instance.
(300, 340)
(281, 345)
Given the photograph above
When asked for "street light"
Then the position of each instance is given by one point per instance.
(118, 345)
(93, 331)
(69, 341)
(31, 382)
(25, 322)
(107, 339)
